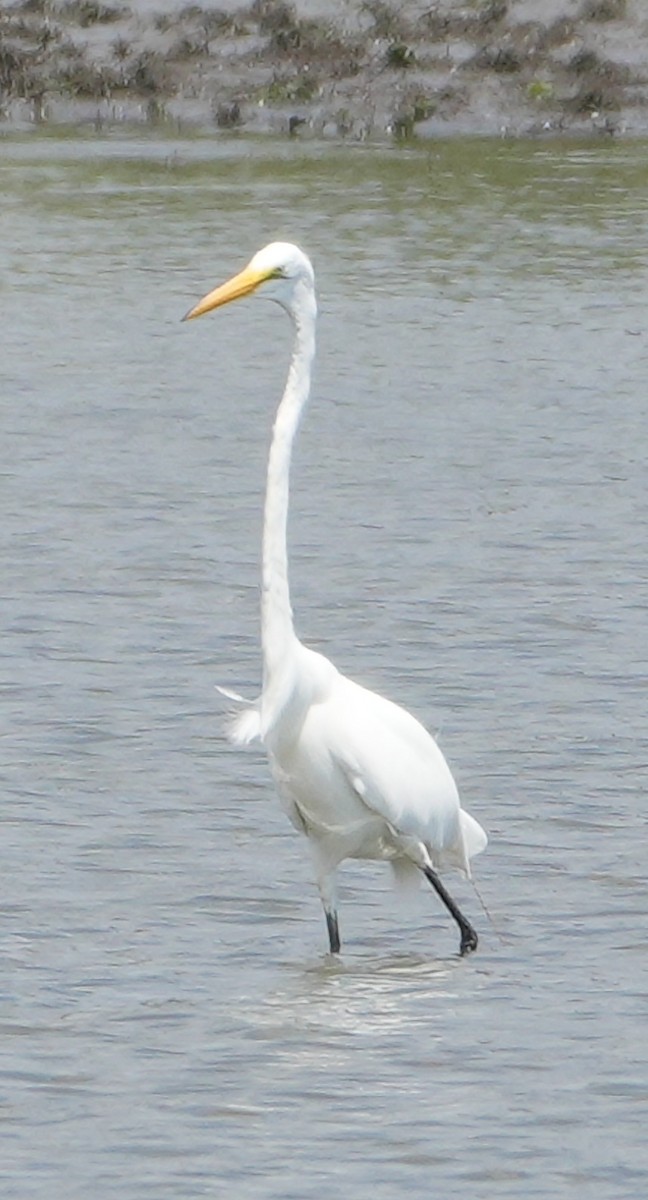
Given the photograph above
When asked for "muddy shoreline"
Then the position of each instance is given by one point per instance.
(342, 69)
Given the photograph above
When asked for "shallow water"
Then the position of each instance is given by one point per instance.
(468, 534)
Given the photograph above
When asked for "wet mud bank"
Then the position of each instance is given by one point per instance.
(343, 69)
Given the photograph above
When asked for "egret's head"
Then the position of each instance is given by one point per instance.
(279, 272)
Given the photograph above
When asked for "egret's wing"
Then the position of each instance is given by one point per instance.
(390, 761)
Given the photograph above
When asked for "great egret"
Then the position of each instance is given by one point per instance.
(358, 775)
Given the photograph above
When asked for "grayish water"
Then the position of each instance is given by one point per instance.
(468, 534)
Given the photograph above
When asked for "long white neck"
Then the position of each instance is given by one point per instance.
(277, 631)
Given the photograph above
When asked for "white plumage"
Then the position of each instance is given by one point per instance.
(357, 774)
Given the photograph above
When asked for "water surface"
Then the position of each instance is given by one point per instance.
(468, 535)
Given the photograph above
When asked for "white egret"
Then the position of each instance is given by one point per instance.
(357, 774)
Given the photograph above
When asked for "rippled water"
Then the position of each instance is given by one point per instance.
(468, 534)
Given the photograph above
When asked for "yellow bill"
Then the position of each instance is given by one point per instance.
(243, 284)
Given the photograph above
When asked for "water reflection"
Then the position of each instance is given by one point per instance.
(368, 996)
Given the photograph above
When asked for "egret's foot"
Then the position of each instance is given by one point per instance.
(469, 940)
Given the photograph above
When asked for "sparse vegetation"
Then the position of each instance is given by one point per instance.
(595, 100)
(492, 11)
(273, 16)
(558, 33)
(417, 107)
(87, 12)
(295, 89)
(588, 64)
(585, 62)
(147, 74)
(388, 22)
(228, 116)
(187, 47)
(209, 22)
(502, 60)
(121, 49)
(268, 53)
(32, 6)
(605, 10)
(399, 55)
(12, 71)
(540, 91)
(83, 79)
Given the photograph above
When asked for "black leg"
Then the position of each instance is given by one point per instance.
(333, 931)
(468, 935)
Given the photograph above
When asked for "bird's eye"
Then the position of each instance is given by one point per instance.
(277, 273)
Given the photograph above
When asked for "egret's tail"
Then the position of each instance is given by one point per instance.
(474, 837)
(241, 727)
